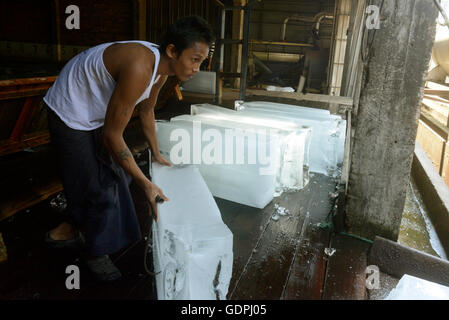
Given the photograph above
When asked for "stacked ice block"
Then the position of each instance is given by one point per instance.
(192, 247)
(328, 131)
(230, 166)
(291, 155)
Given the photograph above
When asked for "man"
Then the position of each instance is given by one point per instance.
(90, 105)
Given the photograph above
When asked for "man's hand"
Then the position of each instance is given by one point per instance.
(152, 192)
(161, 160)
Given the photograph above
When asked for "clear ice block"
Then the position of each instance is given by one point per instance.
(238, 166)
(328, 131)
(413, 288)
(192, 247)
(293, 168)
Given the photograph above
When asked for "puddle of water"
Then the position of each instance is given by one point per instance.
(417, 231)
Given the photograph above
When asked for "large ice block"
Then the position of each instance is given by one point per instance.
(328, 135)
(293, 168)
(238, 166)
(412, 288)
(192, 247)
(328, 131)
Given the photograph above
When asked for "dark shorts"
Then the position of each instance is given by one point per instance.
(99, 202)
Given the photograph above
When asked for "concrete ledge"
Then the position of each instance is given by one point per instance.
(397, 260)
(435, 194)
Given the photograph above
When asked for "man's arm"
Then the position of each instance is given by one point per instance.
(146, 112)
(131, 83)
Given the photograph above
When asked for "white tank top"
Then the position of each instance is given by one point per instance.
(81, 92)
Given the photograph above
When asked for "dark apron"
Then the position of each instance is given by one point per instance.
(99, 202)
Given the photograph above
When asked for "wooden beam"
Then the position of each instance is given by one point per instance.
(345, 276)
(27, 87)
(441, 93)
(25, 117)
(8, 146)
(29, 198)
(140, 19)
(302, 97)
(438, 127)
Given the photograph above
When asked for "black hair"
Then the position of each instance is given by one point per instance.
(185, 32)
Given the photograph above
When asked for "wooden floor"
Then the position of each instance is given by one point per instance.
(283, 259)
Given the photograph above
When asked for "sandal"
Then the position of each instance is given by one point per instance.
(103, 268)
(75, 243)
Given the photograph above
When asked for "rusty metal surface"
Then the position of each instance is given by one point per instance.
(397, 260)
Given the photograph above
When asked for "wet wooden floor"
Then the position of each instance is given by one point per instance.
(273, 259)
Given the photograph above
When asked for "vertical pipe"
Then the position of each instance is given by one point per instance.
(58, 31)
(222, 36)
(244, 71)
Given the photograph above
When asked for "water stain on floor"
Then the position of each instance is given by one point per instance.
(417, 231)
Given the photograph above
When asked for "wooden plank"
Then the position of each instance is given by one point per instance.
(29, 198)
(444, 170)
(27, 82)
(24, 119)
(302, 97)
(23, 92)
(436, 86)
(441, 129)
(247, 224)
(442, 93)
(345, 278)
(28, 141)
(266, 272)
(432, 143)
(26, 87)
(306, 280)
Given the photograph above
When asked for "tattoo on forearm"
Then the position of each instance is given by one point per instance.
(124, 154)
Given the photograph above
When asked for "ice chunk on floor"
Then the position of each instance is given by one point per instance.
(293, 149)
(192, 247)
(412, 288)
(238, 173)
(328, 131)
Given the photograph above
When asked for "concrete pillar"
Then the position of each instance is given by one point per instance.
(396, 60)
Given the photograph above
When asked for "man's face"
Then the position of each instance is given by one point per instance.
(188, 63)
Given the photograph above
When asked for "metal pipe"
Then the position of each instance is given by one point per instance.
(317, 18)
(219, 82)
(222, 35)
(245, 47)
(277, 56)
(443, 13)
(319, 22)
(278, 43)
(220, 3)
